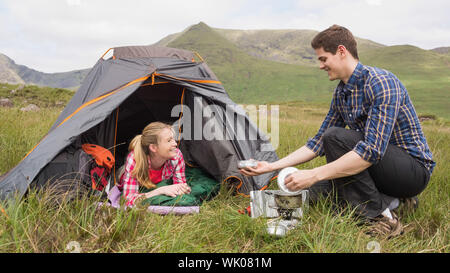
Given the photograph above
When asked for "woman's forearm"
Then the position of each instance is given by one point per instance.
(152, 193)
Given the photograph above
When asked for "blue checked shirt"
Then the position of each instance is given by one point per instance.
(375, 102)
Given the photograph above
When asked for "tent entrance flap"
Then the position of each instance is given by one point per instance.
(147, 104)
(155, 103)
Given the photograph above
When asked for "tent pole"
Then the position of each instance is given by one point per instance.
(115, 139)
(105, 53)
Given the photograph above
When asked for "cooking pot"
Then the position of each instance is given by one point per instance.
(284, 200)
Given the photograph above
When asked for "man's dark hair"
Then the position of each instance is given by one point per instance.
(334, 36)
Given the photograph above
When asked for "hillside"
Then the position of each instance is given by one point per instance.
(44, 97)
(248, 79)
(442, 50)
(423, 72)
(7, 72)
(13, 73)
(291, 46)
(286, 46)
(273, 66)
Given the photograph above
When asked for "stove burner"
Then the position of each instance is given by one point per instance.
(285, 213)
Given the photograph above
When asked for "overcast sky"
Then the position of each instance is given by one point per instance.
(63, 35)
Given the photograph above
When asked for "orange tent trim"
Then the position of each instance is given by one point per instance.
(241, 183)
(89, 103)
(187, 80)
(100, 98)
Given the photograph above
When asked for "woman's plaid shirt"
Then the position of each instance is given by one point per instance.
(175, 167)
(375, 102)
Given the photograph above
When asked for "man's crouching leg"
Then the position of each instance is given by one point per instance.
(359, 191)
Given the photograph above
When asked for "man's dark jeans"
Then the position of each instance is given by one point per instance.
(396, 175)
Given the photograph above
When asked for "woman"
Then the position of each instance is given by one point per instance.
(153, 157)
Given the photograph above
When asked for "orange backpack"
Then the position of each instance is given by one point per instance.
(102, 156)
(104, 162)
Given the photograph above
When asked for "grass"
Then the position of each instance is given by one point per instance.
(34, 224)
(22, 95)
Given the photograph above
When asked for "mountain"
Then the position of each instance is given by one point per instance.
(274, 66)
(10, 72)
(290, 46)
(249, 79)
(286, 46)
(7, 71)
(442, 50)
(408, 60)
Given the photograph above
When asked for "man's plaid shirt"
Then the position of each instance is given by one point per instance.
(375, 102)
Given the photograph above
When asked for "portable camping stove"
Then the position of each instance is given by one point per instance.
(282, 214)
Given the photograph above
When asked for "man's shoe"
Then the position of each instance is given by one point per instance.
(386, 227)
(407, 205)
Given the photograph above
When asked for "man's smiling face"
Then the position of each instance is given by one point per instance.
(332, 63)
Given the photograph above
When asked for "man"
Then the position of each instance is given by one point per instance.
(382, 157)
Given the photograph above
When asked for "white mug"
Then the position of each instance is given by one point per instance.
(282, 176)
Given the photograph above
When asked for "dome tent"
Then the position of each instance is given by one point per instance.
(141, 84)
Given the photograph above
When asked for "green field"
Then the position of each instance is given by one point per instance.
(248, 79)
(35, 225)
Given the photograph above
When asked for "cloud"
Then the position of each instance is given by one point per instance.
(418, 22)
(55, 36)
(63, 35)
(374, 2)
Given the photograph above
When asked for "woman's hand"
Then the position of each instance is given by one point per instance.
(174, 190)
(262, 167)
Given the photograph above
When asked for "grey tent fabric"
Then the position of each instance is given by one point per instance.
(104, 77)
(153, 51)
(139, 85)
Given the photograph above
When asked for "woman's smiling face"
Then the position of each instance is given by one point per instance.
(167, 146)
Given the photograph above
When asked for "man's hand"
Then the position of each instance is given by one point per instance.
(301, 155)
(300, 180)
(348, 164)
(262, 167)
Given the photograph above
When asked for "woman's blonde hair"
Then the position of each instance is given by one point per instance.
(140, 144)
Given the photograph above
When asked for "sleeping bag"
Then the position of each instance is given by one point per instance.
(203, 187)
